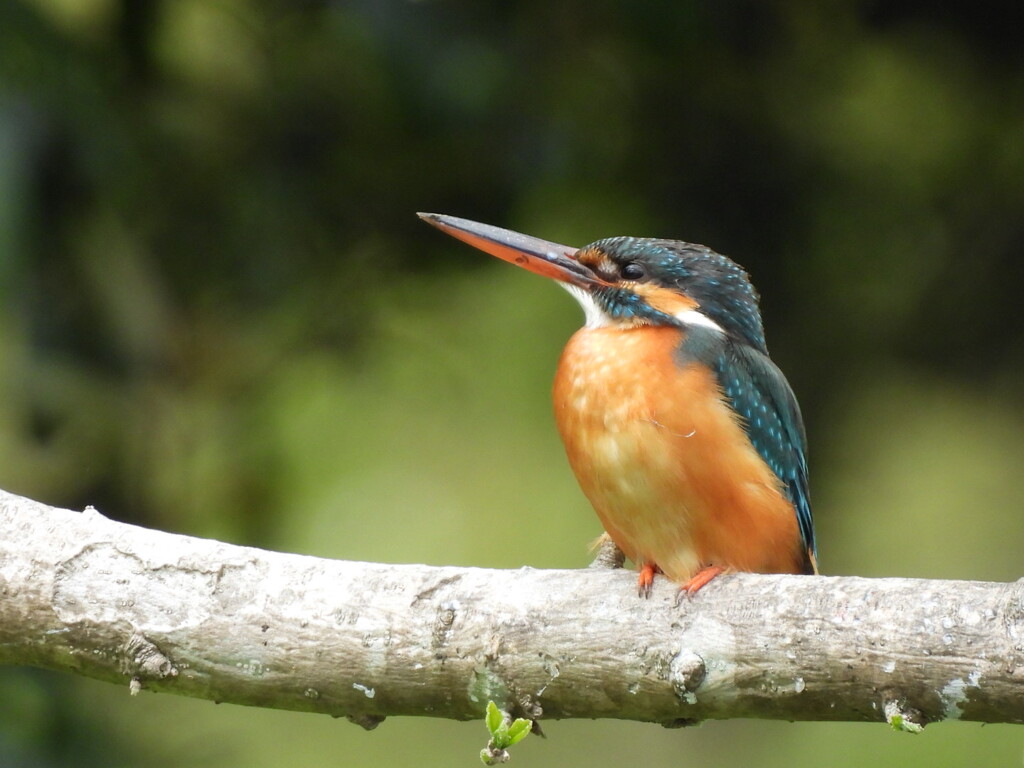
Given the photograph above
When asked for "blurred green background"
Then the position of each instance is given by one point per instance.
(220, 316)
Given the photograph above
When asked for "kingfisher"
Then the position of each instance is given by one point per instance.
(682, 433)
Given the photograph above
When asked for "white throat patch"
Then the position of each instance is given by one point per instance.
(594, 316)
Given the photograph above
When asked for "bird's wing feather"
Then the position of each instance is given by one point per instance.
(762, 397)
(759, 393)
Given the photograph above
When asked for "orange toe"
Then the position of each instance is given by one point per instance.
(645, 582)
(701, 578)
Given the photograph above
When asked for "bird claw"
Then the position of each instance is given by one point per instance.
(645, 582)
(698, 581)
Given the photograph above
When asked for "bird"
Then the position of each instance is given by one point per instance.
(682, 433)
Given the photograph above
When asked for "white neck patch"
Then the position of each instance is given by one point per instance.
(696, 317)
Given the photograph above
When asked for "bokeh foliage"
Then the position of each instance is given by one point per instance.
(220, 316)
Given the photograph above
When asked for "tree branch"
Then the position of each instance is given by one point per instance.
(201, 618)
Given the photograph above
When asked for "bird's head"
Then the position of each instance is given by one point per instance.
(627, 282)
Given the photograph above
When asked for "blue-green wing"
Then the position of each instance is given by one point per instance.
(760, 394)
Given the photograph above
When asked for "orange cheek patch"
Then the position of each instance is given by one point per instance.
(665, 300)
(596, 261)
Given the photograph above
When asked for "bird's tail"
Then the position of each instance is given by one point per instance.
(811, 564)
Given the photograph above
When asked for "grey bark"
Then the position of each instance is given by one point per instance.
(201, 618)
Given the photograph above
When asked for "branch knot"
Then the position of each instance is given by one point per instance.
(686, 672)
(141, 659)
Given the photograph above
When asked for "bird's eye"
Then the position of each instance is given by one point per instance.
(633, 271)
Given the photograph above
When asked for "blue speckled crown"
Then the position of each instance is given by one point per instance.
(717, 283)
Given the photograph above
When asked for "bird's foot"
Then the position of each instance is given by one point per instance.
(699, 580)
(645, 582)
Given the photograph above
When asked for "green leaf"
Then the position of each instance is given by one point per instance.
(518, 731)
(900, 723)
(494, 719)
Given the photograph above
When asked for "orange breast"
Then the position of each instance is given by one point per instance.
(665, 461)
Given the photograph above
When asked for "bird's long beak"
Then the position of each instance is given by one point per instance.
(532, 253)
